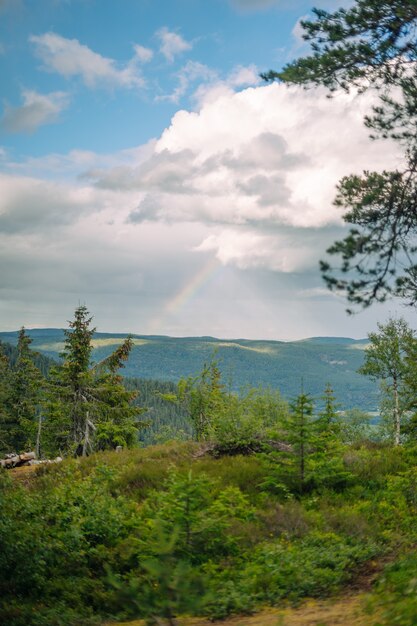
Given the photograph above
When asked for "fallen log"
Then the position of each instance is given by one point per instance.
(17, 460)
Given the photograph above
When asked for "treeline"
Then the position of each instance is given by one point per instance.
(80, 407)
(41, 362)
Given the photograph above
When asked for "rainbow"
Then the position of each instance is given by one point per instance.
(176, 304)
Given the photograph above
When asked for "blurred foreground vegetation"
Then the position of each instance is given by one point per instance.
(161, 532)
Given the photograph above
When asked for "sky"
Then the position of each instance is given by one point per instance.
(147, 172)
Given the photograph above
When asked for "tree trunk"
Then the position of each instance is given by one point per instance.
(86, 436)
(38, 437)
(397, 425)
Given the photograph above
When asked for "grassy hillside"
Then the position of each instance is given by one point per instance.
(279, 365)
(163, 531)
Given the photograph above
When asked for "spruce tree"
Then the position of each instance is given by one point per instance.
(300, 434)
(89, 407)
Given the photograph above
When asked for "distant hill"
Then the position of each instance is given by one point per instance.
(277, 364)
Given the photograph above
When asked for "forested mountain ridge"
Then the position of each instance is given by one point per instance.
(276, 364)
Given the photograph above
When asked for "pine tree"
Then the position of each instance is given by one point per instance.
(371, 44)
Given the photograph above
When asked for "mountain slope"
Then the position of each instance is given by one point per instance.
(277, 364)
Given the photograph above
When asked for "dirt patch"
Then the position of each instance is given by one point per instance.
(336, 612)
(23, 474)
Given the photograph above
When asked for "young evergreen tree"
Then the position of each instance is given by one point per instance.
(89, 407)
(328, 418)
(300, 433)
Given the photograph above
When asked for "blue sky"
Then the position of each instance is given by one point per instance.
(147, 171)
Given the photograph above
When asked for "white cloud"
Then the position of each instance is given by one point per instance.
(244, 76)
(191, 72)
(248, 249)
(211, 85)
(30, 205)
(172, 44)
(37, 109)
(143, 54)
(263, 159)
(240, 76)
(69, 57)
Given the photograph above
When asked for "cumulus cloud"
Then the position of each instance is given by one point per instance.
(69, 57)
(265, 158)
(37, 109)
(217, 87)
(172, 44)
(297, 35)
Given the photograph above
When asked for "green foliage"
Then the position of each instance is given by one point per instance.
(385, 359)
(202, 396)
(242, 422)
(311, 567)
(355, 427)
(299, 432)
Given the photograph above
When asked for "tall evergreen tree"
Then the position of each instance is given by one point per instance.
(89, 407)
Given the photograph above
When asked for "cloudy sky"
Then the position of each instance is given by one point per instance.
(146, 170)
